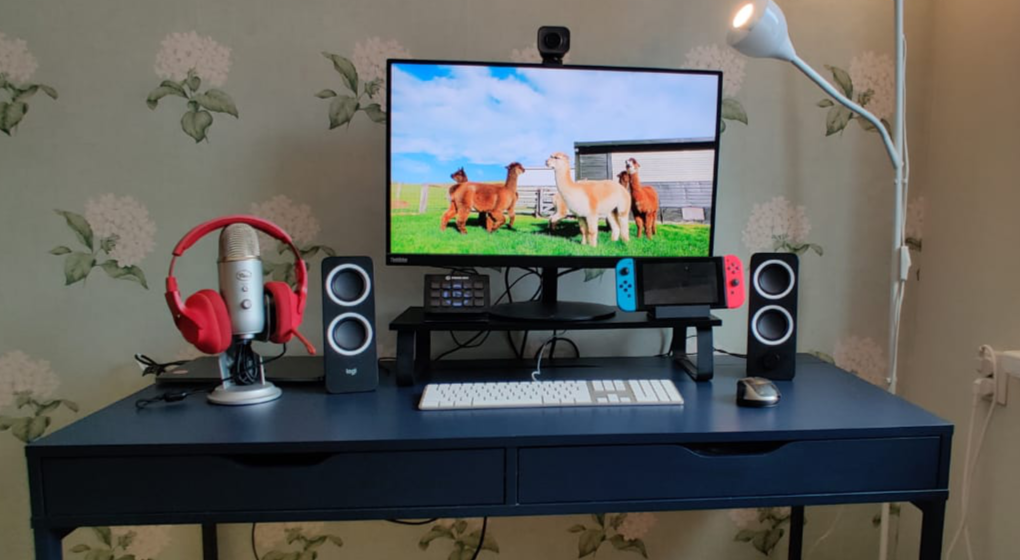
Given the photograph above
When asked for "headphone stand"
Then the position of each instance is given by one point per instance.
(235, 394)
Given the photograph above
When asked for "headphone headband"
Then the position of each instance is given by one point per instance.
(265, 226)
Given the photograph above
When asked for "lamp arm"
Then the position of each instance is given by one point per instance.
(894, 154)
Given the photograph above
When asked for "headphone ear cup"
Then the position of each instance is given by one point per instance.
(207, 324)
(283, 312)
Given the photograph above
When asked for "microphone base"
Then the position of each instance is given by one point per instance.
(231, 394)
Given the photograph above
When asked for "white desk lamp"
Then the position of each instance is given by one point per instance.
(759, 30)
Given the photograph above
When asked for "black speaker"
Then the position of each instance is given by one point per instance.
(348, 321)
(772, 316)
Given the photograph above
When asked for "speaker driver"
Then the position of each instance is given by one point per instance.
(774, 279)
(772, 325)
(349, 334)
(348, 285)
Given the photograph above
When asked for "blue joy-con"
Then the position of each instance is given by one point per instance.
(626, 296)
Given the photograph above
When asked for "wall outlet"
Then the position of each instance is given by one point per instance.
(1009, 363)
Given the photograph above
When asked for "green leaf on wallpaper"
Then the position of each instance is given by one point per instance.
(589, 542)
(48, 90)
(843, 80)
(745, 535)
(722, 125)
(886, 124)
(79, 225)
(825, 103)
(315, 543)
(577, 529)
(218, 101)
(373, 87)
(19, 428)
(617, 520)
(732, 110)
(193, 81)
(6, 422)
(3, 80)
(836, 119)
(337, 541)
(307, 555)
(328, 250)
(460, 525)
(99, 554)
(104, 534)
(341, 110)
(293, 534)
(471, 541)
(325, 94)
(346, 70)
(132, 273)
(37, 427)
(865, 97)
(60, 250)
(70, 405)
(126, 557)
(196, 123)
(78, 548)
(162, 91)
(375, 112)
(636, 545)
(26, 92)
(772, 539)
(436, 532)
(22, 399)
(108, 243)
(47, 407)
(274, 555)
(599, 518)
(77, 266)
(11, 114)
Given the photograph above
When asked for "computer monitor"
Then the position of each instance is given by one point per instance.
(494, 164)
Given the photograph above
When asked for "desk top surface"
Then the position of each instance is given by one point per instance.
(822, 402)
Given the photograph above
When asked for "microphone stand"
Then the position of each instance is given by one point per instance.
(234, 391)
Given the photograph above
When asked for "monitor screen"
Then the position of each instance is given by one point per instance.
(530, 165)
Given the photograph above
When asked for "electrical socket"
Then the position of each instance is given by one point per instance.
(995, 380)
(1009, 362)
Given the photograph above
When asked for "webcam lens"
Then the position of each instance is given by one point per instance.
(552, 40)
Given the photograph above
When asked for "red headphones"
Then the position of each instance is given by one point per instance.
(204, 320)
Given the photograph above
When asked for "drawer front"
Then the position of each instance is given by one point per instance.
(313, 481)
(663, 472)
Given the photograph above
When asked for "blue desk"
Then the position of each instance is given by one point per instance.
(834, 439)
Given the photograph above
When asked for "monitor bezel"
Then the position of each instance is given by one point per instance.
(447, 260)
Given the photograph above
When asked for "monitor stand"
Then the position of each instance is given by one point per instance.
(549, 308)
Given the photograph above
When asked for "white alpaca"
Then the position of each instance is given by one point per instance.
(590, 199)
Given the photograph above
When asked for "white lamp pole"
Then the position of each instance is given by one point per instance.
(759, 30)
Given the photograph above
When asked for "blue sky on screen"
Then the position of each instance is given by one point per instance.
(482, 118)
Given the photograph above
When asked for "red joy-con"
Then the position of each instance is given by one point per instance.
(733, 271)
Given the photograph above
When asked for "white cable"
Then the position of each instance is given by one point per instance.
(828, 532)
(969, 466)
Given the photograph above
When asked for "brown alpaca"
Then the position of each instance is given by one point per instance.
(493, 200)
(644, 201)
(460, 177)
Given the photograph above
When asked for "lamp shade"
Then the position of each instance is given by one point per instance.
(758, 29)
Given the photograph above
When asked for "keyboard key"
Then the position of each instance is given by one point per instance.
(660, 391)
(597, 385)
(619, 386)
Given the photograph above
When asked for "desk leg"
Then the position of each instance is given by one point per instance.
(933, 518)
(796, 532)
(210, 548)
(405, 358)
(48, 543)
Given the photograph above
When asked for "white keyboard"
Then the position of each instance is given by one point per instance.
(547, 394)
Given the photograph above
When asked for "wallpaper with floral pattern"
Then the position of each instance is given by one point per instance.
(96, 187)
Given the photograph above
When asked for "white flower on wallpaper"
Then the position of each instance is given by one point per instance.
(721, 57)
(16, 62)
(863, 357)
(779, 226)
(142, 542)
(17, 66)
(623, 531)
(117, 226)
(875, 73)
(762, 528)
(181, 54)
(303, 227)
(915, 223)
(187, 62)
(871, 82)
(364, 79)
(530, 55)
(464, 538)
(26, 385)
(126, 221)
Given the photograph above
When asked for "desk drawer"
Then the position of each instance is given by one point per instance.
(285, 481)
(663, 472)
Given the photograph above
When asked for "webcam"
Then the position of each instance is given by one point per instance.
(553, 43)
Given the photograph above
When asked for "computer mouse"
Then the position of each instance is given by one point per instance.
(757, 391)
